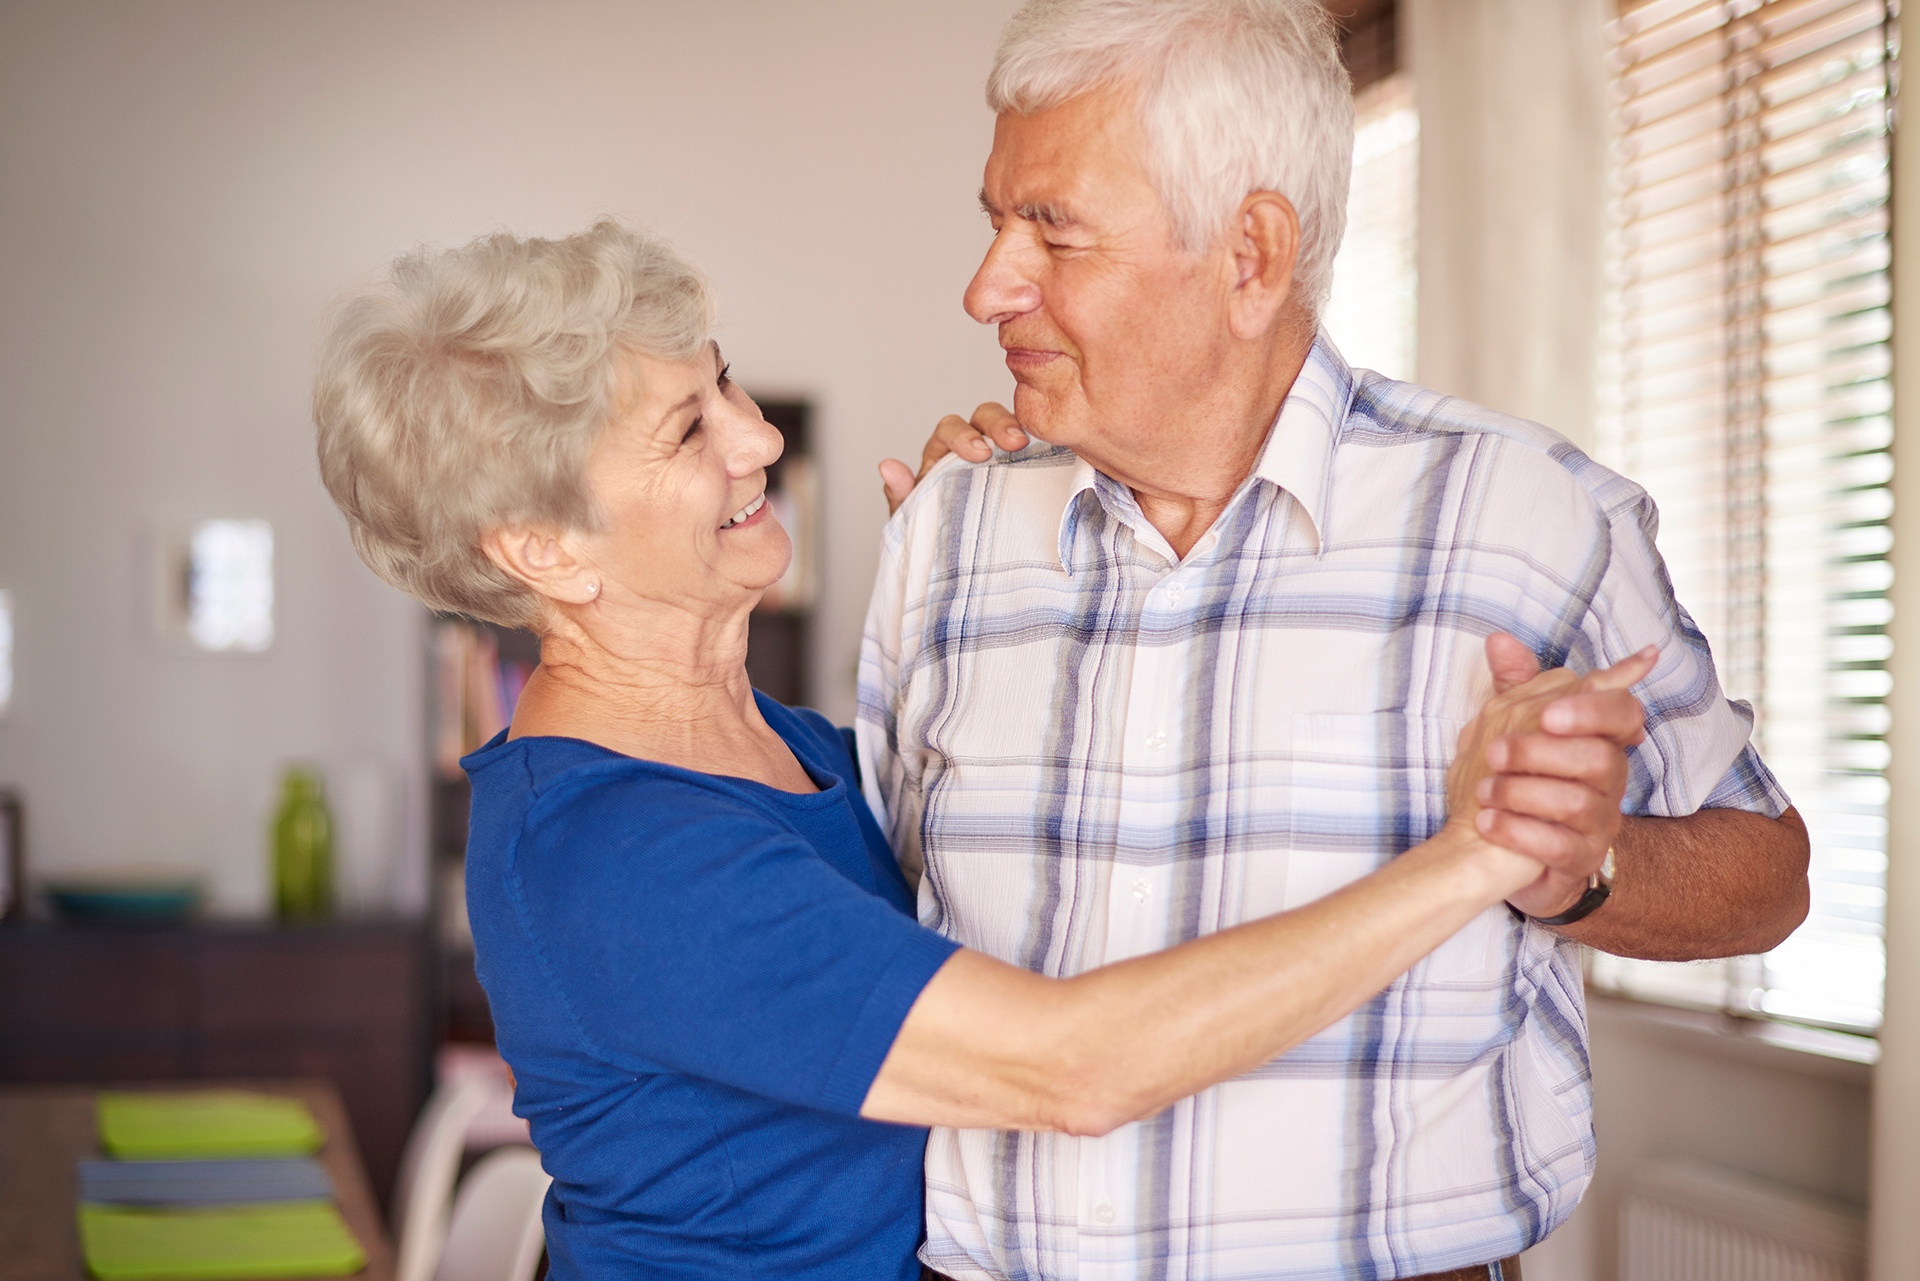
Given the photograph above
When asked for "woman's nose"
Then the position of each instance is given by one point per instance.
(1001, 289)
(753, 443)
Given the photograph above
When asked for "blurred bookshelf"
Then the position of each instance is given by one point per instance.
(476, 671)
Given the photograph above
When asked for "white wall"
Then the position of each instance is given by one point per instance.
(1511, 95)
(1896, 1100)
(1678, 1084)
(186, 183)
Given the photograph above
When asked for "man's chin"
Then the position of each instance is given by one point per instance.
(1040, 417)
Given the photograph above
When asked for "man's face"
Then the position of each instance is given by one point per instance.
(1110, 328)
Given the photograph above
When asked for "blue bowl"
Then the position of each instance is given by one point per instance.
(154, 900)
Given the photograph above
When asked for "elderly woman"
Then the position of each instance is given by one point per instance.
(726, 1025)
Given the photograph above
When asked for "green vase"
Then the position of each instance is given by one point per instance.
(302, 849)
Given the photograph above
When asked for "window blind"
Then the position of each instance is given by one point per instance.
(1745, 382)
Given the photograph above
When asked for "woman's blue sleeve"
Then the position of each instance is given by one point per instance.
(683, 930)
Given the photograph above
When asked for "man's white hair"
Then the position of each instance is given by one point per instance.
(1235, 96)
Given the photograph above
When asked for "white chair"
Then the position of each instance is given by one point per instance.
(423, 1195)
(496, 1233)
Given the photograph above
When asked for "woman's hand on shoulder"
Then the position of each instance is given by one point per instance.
(971, 439)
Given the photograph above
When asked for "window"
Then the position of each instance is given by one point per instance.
(229, 585)
(1373, 308)
(1745, 382)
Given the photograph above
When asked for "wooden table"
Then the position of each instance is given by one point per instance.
(221, 1000)
(46, 1129)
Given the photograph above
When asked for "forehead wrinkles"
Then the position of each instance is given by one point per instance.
(632, 382)
(1076, 163)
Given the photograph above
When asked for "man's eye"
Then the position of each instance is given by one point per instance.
(692, 429)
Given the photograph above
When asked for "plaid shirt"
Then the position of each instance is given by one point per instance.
(1098, 750)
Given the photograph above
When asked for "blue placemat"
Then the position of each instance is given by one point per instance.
(203, 1182)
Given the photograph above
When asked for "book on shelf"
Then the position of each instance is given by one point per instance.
(476, 689)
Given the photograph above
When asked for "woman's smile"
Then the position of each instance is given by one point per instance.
(747, 514)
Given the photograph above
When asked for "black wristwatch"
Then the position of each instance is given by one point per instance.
(1599, 888)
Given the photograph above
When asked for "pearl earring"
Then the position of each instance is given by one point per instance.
(593, 589)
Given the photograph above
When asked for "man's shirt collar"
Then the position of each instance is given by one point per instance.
(1297, 458)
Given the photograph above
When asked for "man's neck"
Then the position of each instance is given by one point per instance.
(1221, 446)
(1183, 522)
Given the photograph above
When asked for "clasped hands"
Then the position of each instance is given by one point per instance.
(1540, 771)
(1542, 768)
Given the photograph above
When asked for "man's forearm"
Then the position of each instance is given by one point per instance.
(1715, 883)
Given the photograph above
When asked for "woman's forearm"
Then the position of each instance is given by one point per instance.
(991, 1045)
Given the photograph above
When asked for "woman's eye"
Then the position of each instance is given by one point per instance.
(723, 381)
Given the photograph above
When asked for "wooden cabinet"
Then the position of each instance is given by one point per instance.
(81, 1005)
(346, 1002)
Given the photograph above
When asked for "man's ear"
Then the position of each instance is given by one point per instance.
(544, 560)
(1265, 240)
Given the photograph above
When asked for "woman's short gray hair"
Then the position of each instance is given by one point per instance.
(1235, 96)
(465, 393)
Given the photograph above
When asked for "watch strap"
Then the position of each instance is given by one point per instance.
(1598, 891)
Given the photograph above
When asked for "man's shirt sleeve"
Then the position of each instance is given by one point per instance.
(1698, 752)
(884, 776)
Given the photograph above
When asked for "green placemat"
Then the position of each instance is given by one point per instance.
(290, 1239)
(205, 1123)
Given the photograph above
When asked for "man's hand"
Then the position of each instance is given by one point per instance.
(1721, 882)
(1553, 793)
(991, 425)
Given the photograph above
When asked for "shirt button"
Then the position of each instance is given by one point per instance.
(1103, 1213)
(1174, 592)
(1141, 888)
(1156, 739)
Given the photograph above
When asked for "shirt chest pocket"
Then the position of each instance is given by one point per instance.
(1363, 788)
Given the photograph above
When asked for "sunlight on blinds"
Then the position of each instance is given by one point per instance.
(1371, 313)
(1745, 383)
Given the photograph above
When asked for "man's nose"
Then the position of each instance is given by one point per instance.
(1002, 288)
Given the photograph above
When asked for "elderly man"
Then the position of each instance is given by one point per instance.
(1208, 652)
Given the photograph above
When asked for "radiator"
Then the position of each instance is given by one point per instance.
(1688, 1221)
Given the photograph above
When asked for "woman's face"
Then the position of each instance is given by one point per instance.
(681, 478)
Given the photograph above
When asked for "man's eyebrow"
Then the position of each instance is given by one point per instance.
(1049, 214)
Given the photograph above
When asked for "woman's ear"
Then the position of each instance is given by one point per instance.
(544, 561)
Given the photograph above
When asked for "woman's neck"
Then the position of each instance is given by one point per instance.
(660, 685)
